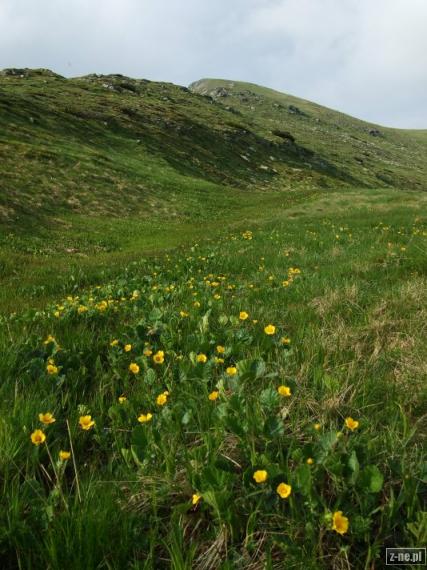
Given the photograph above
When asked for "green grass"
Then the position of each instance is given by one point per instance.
(153, 215)
(355, 318)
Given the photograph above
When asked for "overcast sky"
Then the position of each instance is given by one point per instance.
(367, 58)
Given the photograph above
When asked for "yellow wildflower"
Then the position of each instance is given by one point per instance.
(159, 357)
(284, 490)
(134, 368)
(49, 339)
(260, 476)
(144, 418)
(195, 498)
(310, 461)
(202, 358)
(340, 523)
(351, 424)
(220, 349)
(162, 399)
(64, 455)
(47, 418)
(317, 426)
(38, 437)
(231, 371)
(122, 399)
(128, 347)
(243, 315)
(51, 369)
(147, 351)
(270, 329)
(86, 422)
(114, 342)
(213, 396)
(284, 391)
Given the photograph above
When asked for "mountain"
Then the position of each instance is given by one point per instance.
(109, 145)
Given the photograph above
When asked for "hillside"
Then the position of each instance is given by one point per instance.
(99, 145)
(370, 154)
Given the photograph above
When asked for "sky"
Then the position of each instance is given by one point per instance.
(367, 58)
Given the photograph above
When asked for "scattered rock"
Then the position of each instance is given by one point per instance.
(375, 133)
(285, 135)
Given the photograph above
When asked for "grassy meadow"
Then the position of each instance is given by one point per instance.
(212, 329)
(176, 385)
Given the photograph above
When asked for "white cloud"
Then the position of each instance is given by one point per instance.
(364, 57)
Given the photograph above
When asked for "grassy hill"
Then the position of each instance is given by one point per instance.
(102, 166)
(113, 145)
(371, 154)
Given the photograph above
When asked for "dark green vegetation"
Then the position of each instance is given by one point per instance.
(336, 261)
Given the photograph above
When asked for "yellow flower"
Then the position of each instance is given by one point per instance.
(270, 329)
(284, 391)
(285, 283)
(219, 360)
(339, 522)
(217, 297)
(128, 347)
(134, 368)
(310, 461)
(351, 424)
(49, 339)
(231, 371)
(159, 357)
(162, 399)
(102, 306)
(195, 498)
(317, 426)
(47, 418)
(285, 340)
(86, 422)
(183, 314)
(64, 455)
(114, 342)
(260, 476)
(243, 315)
(38, 437)
(196, 304)
(213, 395)
(202, 358)
(51, 369)
(147, 351)
(122, 399)
(284, 490)
(144, 418)
(220, 349)
(82, 309)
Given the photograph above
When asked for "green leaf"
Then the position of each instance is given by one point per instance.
(155, 315)
(303, 479)
(186, 418)
(139, 437)
(269, 398)
(372, 479)
(353, 463)
(273, 427)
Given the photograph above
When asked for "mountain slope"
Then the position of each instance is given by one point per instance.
(111, 145)
(372, 154)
